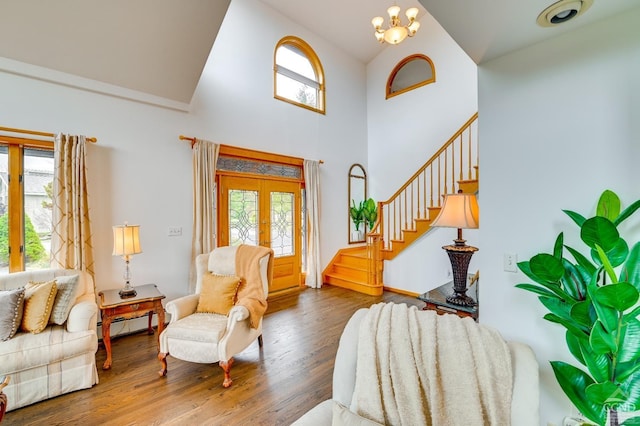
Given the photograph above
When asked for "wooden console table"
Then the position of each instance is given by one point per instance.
(147, 301)
(436, 300)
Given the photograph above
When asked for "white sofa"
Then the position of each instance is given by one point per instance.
(525, 396)
(60, 359)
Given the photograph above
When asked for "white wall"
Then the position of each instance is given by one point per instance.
(139, 170)
(406, 130)
(559, 123)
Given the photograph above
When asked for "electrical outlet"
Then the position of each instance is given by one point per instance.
(510, 262)
(174, 231)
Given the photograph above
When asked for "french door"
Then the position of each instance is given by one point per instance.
(264, 212)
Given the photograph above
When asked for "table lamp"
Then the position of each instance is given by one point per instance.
(126, 242)
(459, 211)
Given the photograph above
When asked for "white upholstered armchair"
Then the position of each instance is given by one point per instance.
(199, 331)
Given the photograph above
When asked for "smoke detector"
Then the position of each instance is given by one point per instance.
(563, 11)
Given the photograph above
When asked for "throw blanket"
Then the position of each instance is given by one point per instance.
(419, 368)
(251, 293)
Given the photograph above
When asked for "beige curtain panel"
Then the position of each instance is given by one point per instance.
(312, 198)
(205, 157)
(71, 246)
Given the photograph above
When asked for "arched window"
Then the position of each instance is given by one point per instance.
(298, 77)
(412, 72)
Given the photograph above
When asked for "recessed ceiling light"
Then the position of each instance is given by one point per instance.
(563, 11)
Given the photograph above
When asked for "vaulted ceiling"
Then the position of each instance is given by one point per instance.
(159, 47)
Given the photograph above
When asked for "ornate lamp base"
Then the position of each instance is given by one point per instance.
(127, 292)
(460, 256)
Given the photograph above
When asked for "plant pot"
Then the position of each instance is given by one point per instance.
(356, 236)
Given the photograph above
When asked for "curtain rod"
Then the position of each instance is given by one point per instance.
(193, 141)
(33, 132)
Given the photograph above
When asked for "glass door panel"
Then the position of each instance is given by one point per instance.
(243, 217)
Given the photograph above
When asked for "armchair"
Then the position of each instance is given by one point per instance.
(209, 337)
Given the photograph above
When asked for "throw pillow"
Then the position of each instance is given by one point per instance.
(11, 305)
(65, 297)
(342, 416)
(38, 301)
(218, 293)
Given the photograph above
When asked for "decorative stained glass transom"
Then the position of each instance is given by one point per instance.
(282, 205)
(241, 165)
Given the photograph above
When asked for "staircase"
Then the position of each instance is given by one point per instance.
(407, 215)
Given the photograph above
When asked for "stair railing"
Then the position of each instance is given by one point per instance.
(421, 196)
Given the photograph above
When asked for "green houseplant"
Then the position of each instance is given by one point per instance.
(357, 214)
(370, 212)
(595, 298)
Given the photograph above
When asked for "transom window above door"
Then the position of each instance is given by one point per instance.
(298, 74)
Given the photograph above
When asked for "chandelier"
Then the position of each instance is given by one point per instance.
(396, 32)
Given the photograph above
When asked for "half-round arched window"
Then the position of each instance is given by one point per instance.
(412, 72)
(298, 76)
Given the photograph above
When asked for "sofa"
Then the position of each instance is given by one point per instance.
(60, 358)
(525, 394)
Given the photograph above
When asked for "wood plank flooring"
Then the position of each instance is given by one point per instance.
(272, 386)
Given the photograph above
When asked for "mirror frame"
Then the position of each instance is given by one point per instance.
(353, 177)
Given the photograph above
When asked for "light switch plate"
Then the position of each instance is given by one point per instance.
(510, 262)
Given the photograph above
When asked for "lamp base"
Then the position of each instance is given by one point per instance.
(460, 256)
(127, 292)
(461, 299)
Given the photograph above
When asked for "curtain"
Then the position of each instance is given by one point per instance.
(71, 246)
(312, 199)
(204, 157)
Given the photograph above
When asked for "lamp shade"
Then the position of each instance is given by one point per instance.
(126, 240)
(458, 211)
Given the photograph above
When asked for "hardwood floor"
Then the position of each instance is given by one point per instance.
(272, 386)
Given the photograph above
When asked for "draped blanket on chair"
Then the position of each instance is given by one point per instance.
(419, 368)
(251, 293)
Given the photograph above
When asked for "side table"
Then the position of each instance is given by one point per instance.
(436, 300)
(147, 301)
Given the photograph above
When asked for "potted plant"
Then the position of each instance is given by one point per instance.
(594, 296)
(357, 216)
(370, 212)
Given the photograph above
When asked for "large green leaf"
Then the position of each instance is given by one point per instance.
(630, 342)
(547, 268)
(606, 393)
(581, 313)
(599, 365)
(558, 307)
(536, 289)
(608, 205)
(627, 212)
(631, 270)
(582, 260)
(525, 267)
(626, 369)
(608, 316)
(574, 382)
(575, 347)
(601, 340)
(573, 281)
(599, 231)
(576, 217)
(616, 256)
(632, 421)
(557, 247)
(606, 264)
(620, 296)
(568, 324)
(631, 387)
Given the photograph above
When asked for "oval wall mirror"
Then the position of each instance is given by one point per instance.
(357, 196)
